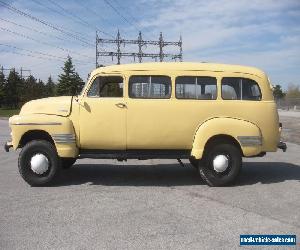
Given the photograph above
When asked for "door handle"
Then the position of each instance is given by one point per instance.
(121, 105)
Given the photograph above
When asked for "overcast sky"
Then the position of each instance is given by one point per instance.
(260, 33)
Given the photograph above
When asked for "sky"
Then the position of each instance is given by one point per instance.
(259, 33)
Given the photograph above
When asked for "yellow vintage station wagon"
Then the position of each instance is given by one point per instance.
(211, 114)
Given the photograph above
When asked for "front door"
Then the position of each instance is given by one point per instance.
(103, 115)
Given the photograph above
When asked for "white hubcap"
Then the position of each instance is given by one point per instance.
(39, 164)
(220, 163)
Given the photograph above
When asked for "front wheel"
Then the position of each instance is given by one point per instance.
(38, 162)
(222, 164)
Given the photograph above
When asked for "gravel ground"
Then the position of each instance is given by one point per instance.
(291, 128)
(149, 204)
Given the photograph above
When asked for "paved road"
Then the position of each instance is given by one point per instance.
(147, 205)
(290, 113)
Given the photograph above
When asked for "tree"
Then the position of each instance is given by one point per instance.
(50, 87)
(13, 89)
(30, 91)
(2, 85)
(293, 91)
(69, 82)
(278, 93)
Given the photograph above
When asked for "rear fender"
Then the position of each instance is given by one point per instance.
(245, 133)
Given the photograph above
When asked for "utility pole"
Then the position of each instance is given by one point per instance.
(180, 48)
(118, 47)
(96, 49)
(161, 45)
(140, 43)
(139, 54)
(24, 70)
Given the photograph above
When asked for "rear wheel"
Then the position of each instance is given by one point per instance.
(222, 164)
(38, 163)
(66, 163)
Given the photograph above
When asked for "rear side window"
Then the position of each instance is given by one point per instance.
(236, 88)
(200, 88)
(150, 87)
(107, 86)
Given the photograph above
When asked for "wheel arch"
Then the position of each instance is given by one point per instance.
(222, 138)
(35, 134)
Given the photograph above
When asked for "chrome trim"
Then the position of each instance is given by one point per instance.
(35, 123)
(64, 138)
(250, 140)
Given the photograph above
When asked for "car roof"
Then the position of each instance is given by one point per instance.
(180, 66)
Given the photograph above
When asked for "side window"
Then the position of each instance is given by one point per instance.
(235, 88)
(151, 87)
(231, 89)
(106, 86)
(250, 90)
(200, 88)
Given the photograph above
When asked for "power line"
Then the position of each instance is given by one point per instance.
(38, 31)
(120, 14)
(90, 10)
(60, 58)
(58, 12)
(123, 8)
(57, 28)
(45, 43)
(30, 55)
(82, 21)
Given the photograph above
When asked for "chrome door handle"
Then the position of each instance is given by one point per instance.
(121, 105)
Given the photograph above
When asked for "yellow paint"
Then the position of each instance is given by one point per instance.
(157, 123)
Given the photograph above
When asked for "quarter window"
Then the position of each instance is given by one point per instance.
(200, 88)
(107, 86)
(236, 88)
(151, 87)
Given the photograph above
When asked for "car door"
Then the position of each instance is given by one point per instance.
(103, 114)
(150, 116)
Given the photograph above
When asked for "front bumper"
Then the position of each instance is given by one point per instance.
(282, 146)
(7, 146)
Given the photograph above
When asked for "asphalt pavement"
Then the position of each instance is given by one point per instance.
(154, 204)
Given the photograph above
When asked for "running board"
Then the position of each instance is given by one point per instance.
(134, 154)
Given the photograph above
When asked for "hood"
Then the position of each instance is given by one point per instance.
(51, 106)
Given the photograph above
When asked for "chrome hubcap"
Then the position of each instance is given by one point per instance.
(220, 163)
(39, 164)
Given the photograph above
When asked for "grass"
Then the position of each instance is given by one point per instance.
(8, 112)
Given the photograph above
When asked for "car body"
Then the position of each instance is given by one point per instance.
(158, 110)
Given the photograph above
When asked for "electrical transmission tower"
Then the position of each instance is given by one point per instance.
(140, 54)
(2, 69)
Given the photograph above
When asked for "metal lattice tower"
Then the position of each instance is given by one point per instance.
(21, 72)
(140, 54)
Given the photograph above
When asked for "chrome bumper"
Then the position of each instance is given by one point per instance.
(7, 146)
(282, 146)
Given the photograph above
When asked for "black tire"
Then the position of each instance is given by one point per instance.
(217, 179)
(67, 163)
(38, 147)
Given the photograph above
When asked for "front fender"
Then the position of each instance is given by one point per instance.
(59, 128)
(247, 134)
